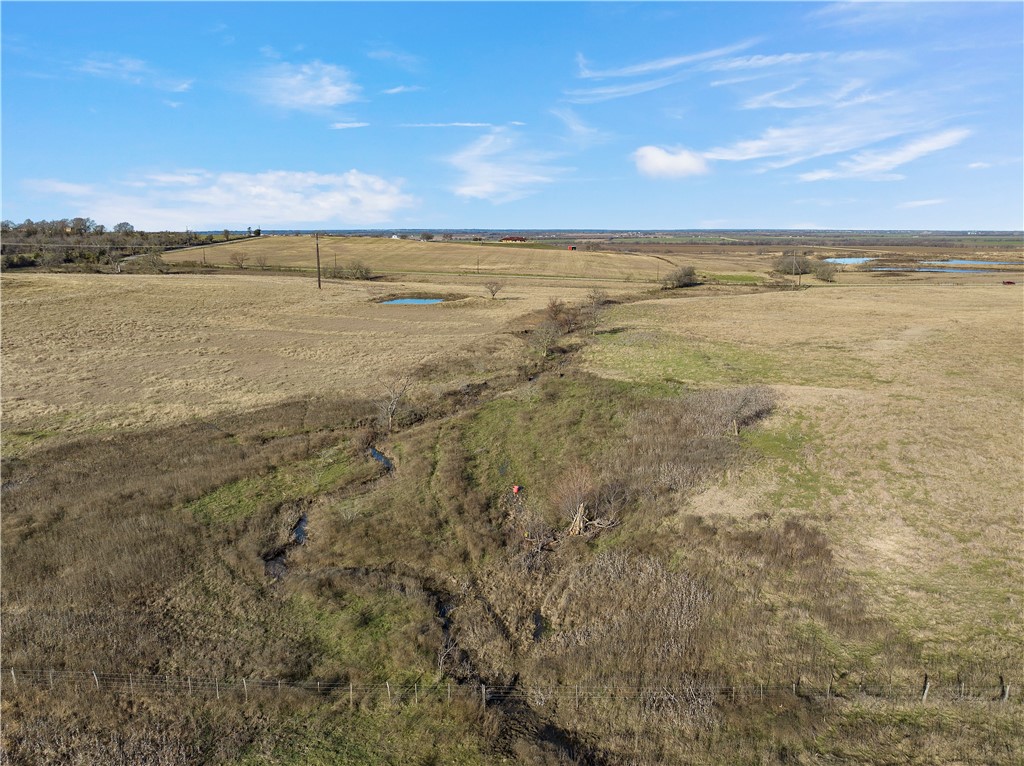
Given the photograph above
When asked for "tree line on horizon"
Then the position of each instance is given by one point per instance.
(80, 240)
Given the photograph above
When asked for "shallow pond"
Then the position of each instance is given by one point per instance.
(959, 262)
(849, 261)
(412, 301)
(946, 271)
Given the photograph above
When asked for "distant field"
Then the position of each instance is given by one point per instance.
(900, 435)
(620, 261)
(410, 256)
(90, 351)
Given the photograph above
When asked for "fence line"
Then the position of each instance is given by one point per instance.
(674, 693)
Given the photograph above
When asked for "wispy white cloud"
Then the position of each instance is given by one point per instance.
(609, 92)
(114, 67)
(495, 167)
(348, 125)
(314, 87)
(655, 162)
(131, 70)
(658, 65)
(762, 62)
(402, 89)
(849, 93)
(581, 134)
(920, 203)
(877, 165)
(203, 199)
(810, 138)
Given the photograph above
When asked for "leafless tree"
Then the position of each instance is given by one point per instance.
(239, 258)
(261, 260)
(493, 287)
(394, 392)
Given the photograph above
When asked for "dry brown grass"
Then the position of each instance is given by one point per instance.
(82, 352)
(411, 256)
(900, 435)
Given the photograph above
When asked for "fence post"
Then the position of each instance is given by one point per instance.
(51, 680)
(245, 686)
(349, 695)
(483, 695)
(1004, 690)
(388, 684)
(216, 686)
(15, 680)
(131, 685)
(96, 679)
(927, 686)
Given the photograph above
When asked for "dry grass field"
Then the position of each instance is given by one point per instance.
(900, 434)
(819, 487)
(82, 352)
(412, 256)
(630, 262)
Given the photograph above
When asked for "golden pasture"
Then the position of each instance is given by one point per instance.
(900, 433)
(113, 351)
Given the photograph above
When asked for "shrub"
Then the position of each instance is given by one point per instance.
(684, 276)
(825, 271)
(791, 263)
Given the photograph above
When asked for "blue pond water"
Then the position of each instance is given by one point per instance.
(849, 261)
(946, 271)
(412, 301)
(973, 263)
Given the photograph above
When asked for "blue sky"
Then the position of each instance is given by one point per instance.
(515, 115)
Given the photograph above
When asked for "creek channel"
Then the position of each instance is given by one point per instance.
(275, 563)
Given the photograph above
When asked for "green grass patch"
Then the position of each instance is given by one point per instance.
(791, 448)
(240, 499)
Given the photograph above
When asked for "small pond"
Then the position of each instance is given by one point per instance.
(911, 270)
(958, 262)
(412, 301)
(849, 261)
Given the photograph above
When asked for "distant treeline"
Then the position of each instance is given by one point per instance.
(83, 241)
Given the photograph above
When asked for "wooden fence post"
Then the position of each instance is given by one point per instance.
(216, 686)
(388, 684)
(51, 680)
(245, 686)
(15, 680)
(927, 686)
(483, 695)
(96, 679)
(1004, 690)
(349, 695)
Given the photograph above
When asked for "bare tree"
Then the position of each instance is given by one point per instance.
(395, 391)
(493, 287)
(261, 260)
(115, 259)
(239, 258)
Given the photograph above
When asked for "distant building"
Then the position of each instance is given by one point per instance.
(513, 238)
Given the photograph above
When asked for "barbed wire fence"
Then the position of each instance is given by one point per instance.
(671, 693)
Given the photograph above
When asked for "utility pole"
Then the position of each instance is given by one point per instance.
(316, 236)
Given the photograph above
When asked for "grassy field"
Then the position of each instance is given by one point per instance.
(817, 490)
